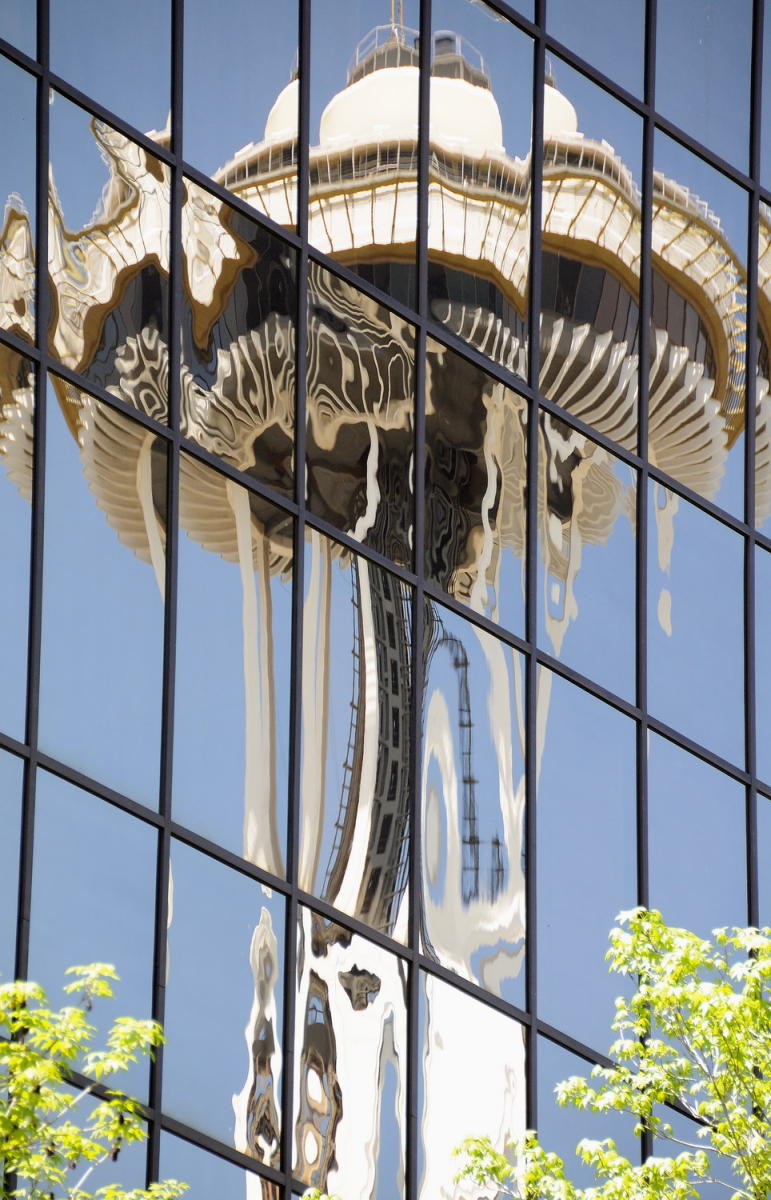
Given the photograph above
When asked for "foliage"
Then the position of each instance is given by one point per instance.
(695, 1034)
(44, 1151)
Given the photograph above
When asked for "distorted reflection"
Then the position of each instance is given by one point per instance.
(17, 399)
(473, 799)
(350, 1062)
(357, 691)
(17, 196)
(763, 383)
(472, 1077)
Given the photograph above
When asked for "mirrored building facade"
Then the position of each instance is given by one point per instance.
(385, 494)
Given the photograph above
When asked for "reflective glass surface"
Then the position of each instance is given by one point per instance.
(765, 110)
(209, 1176)
(350, 1062)
(224, 1004)
(696, 840)
(763, 661)
(18, 25)
(364, 132)
(18, 199)
(591, 254)
(238, 339)
(108, 258)
(703, 50)
(11, 779)
(473, 803)
(120, 54)
(586, 853)
(607, 33)
(93, 900)
(763, 368)
(471, 1080)
(698, 344)
(476, 435)
(586, 561)
(764, 857)
(103, 588)
(360, 400)
(695, 624)
(17, 399)
(241, 100)
(357, 694)
(234, 637)
(479, 179)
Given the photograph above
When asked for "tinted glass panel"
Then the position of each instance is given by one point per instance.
(108, 258)
(476, 1056)
(18, 24)
(763, 661)
(11, 779)
(105, 50)
(234, 638)
(586, 568)
(765, 159)
(355, 791)
(238, 378)
(103, 584)
(360, 379)
(696, 841)
(476, 435)
(479, 184)
(17, 398)
(586, 815)
(695, 623)
(222, 1061)
(240, 105)
(17, 196)
(703, 50)
(93, 900)
(697, 367)
(607, 33)
(764, 857)
(473, 801)
(763, 383)
(209, 1176)
(350, 1056)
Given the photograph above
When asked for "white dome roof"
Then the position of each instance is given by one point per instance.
(281, 124)
(559, 116)
(383, 106)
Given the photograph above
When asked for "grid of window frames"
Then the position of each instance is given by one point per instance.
(387, 552)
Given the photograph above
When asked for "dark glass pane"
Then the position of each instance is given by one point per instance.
(93, 900)
(103, 585)
(360, 374)
(238, 339)
(607, 33)
(763, 367)
(357, 692)
(703, 51)
(17, 399)
(119, 54)
(209, 1176)
(591, 254)
(364, 131)
(233, 666)
(587, 518)
(697, 368)
(11, 780)
(471, 1081)
(695, 624)
(479, 182)
(350, 1063)
(473, 801)
(476, 435)
(696, 841)
(108, 258)
(224, 1005)
(561, 1129)
(18, 199)
(586, 862)
(241, 100)
(18, 24)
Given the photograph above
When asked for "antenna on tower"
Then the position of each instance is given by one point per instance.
(397, 12)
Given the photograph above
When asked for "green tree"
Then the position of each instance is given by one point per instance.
(696, 1034)
(45, 1152)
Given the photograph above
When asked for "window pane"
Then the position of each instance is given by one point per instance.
(17, 399)
(473, 801)
(240, 105)
(11, 781)
(764, 857)
(476, 435)
(607, 33)
(18, 199)
(357, 691)
(233, 666)
(18, 25)
(350, 1054)
(586, 822)
(224, 1005)
(479, 179)
(763, 367)
(209, 1176)
(103, 583)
